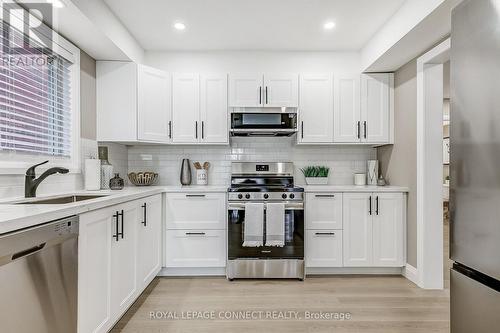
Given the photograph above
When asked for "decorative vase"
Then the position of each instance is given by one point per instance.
(106, 168)
(372, 172)
(116, 183)
(316, 180)
(185, 177)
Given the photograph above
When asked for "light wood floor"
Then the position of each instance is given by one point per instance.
(376, 303)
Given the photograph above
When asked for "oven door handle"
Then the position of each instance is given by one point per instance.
(288, 206)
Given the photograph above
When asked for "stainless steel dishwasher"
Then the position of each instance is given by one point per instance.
(38, 278)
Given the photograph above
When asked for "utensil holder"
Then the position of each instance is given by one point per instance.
(201, 177)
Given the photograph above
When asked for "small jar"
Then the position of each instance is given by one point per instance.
(116, 183)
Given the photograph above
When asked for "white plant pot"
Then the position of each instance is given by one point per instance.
(317, 180)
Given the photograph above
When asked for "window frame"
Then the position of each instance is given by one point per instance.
(16, 163)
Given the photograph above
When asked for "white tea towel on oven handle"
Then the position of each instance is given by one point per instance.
(254, 225)
(275, 224)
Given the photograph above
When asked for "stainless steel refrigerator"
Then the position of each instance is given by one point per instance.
(475, 167)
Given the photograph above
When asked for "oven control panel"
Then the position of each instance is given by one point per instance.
(265, 196)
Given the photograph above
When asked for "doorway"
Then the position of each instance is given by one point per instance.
(431, 228)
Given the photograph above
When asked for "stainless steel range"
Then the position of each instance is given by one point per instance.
(265, 184)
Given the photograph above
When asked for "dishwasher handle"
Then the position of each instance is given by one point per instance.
(27, 252)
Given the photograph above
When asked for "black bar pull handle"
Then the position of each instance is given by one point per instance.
(266, 96)
(359, 130)
(116, 217)
(302, 129)
(370, 203)
(325, 195)
(195, 233)
(196, 129)
(324, 234)
(170, 129)
(145, 214)
(195, 195)
(260, 95)
(376, 205)
(203, 129)
(364, 125)
(122, 216)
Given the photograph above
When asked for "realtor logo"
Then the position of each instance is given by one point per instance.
(33, 37)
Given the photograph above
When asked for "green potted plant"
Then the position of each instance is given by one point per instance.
(316, 175)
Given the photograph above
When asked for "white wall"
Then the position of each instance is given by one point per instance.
(255, 61)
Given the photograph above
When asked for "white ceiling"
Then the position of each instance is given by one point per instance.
(254, 24)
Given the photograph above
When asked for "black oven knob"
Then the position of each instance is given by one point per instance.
(292, 195)
(283, 195)
(266, 196)
(240, 196)
(247, 196)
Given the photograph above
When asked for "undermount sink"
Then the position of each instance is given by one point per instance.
(58, 200)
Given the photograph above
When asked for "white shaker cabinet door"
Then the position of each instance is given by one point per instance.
(153, 105)
(358, 229)
(388, 229)
(186, 127)
(148, 239)
(323, 211)
(323, 248)
(196, 211)
(94, 268)
(281, 90)
(214, 111)
(375, 107)
(246, 90)
(195, 248)
(123, 259)
(347, 122)
(316, 109)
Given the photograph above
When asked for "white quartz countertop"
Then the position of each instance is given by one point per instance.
(353, 188)
(14, 217)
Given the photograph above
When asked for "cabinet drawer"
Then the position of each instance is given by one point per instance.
(196, 211)
(195, 248)
(323, 248)
(323, 211)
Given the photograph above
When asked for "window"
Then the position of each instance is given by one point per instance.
(39, 98)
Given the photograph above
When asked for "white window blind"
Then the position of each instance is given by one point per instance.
(35, 98)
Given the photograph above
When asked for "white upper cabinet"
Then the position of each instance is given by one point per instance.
(185, 108)
(316, 109)
(153, 105)
(214, 115)
(376, 107)
(199, 109)
(281, 90)
(245, 90)
(133, 103)
(347, 117)
(263, 90)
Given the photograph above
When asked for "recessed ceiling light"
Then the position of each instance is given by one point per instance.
(329, 25)
(179, 26)
(56, 3)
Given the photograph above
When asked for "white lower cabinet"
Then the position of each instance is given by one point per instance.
(195, 234)
(374, 229)
(195, 248)
(355, 229)
(323, 248)
(111, 270)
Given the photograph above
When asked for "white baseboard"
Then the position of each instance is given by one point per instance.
(188, 271)
(353, 270)
(411, 273)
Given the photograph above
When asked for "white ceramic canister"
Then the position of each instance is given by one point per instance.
(201, 177)
(360, 179)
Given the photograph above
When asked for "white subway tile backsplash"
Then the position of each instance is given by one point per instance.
(343, 161)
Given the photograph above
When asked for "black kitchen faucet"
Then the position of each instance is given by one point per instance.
(31, 182)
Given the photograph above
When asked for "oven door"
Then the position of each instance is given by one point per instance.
(294, 235)
(263, 123)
